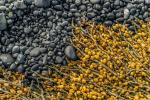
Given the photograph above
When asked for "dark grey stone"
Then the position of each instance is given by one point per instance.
(108, 23)
(42, 3)
(29, 1)
(35, 67)
(111, 16)
(91, 15)
(23, 49)
(9, 48)
(21, 69)
(20, 59)
(13, 67)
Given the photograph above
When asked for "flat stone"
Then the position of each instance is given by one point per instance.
(43, 50)
(35, 52)
(42, 3)
(95, 1)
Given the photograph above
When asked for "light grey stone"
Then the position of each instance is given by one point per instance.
(3, 22)
(6, 59)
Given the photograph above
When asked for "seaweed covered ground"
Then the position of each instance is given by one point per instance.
(114, 64)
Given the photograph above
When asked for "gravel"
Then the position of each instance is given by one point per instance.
(36, 32)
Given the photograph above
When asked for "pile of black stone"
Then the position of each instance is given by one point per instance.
(34, 34)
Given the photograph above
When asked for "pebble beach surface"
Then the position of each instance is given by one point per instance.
(34, 34)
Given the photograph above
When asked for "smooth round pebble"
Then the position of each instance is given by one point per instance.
(70, 53)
